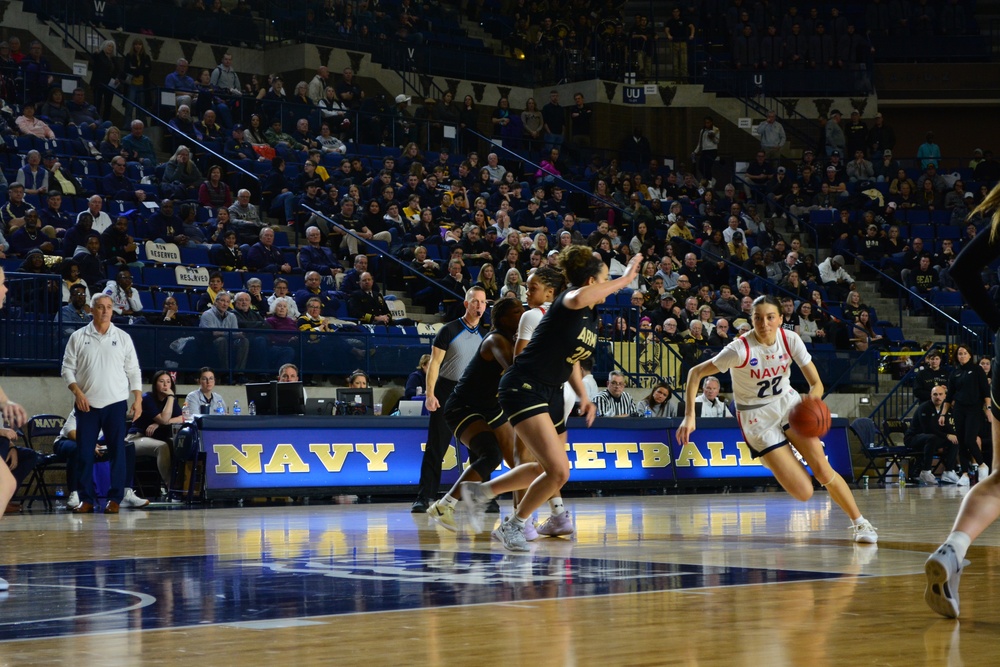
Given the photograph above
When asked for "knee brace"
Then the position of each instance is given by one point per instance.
(486, 454)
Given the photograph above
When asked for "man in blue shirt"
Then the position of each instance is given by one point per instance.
(139, 147)
(181, 82)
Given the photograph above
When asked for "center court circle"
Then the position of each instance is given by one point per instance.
(49, 603)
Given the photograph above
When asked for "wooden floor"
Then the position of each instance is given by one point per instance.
(751, 579)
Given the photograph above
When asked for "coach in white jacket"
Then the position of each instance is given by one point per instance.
(101, 368)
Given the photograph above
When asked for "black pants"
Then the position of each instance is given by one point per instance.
(968, 423)
(930, 444)
(438, 439)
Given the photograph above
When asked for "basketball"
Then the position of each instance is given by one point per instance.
(810, 418)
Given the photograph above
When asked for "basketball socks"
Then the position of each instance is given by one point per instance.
(858, 521)
(486, 491)
(448, 501)
(556, 505)
(518, 521)
(960, 542)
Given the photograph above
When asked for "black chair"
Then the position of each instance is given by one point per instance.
(875, 446)
(40, 432)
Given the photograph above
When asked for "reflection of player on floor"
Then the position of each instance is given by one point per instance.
(982, 506)
(759, 363)
(532, 397)
(544, 284)
(474, 414)
(14, 415)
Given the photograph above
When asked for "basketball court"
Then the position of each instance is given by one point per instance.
(751, 579)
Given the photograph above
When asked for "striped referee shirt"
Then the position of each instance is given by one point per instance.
(609, 406)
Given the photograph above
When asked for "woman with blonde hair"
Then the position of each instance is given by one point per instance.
(512, 285)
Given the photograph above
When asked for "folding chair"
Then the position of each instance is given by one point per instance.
(40, 432)
(875, 446)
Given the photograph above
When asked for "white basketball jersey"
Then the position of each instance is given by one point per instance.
(761, 374)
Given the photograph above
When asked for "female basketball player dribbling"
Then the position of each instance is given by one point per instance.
(759, 363)
(532, 397)
(474, 414)
(981, 507)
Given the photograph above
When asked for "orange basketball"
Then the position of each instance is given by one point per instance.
(810, 418)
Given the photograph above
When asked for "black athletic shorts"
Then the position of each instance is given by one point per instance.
(458, 415)
(522, 398)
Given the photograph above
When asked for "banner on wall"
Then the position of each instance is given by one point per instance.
(245, 454)
(633, 95)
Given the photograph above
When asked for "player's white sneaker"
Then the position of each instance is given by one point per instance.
(511, 536)
(864, 532)
(927, 477)
(944, 573)
(982, 472)
(964, 479)
(4, 585)
(949, 477)
(473, 504)
(557, 526)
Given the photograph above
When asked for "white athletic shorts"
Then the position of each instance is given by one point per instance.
(764, 427)
(569, 401)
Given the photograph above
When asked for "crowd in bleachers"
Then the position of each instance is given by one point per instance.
(85, 193)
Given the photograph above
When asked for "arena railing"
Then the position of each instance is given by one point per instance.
(33, 337)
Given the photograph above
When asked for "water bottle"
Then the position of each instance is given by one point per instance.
(186, 412)
(253, 409)
(236, 408)
(220, 409)
(648, 414)
(60, 492)
(420, 391)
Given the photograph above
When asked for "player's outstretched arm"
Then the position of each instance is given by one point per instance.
(595, 294)
(812, 377)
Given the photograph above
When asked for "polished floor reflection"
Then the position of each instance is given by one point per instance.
(742, 579)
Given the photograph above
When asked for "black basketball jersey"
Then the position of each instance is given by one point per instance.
(563, 337)
(478, 386)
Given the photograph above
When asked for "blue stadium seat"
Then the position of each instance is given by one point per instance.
(197, 256)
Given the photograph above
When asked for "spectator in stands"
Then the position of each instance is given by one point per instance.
(54, 109)
(810, 329)
(76, 312)
(165, 226)
(835, 139)
(105, 73)
(30, 237)
(881, 138)
(513, 285)
(367, 305)
(225, 77)
(215, 287)
(885, 168)
(317, 258)
(856, 134)
(836, 280)
(720, 333)
(615, 401)
(264, 256)
(931, 174)
(136, 69)
(928, 152)
(352, 279)
(124, 298)
(181, 178)
(928, 435)
(859, 169)
(214, 192)
(863, 335)
(27, 123)
(313, 289)
(181, 83)
(987, 171)
(118, 248)
(203, 400)
(117, 185)
(709, 405)
(138, 146)
(32, 176)
(13, 212)
(245, 216)
(221, 319)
